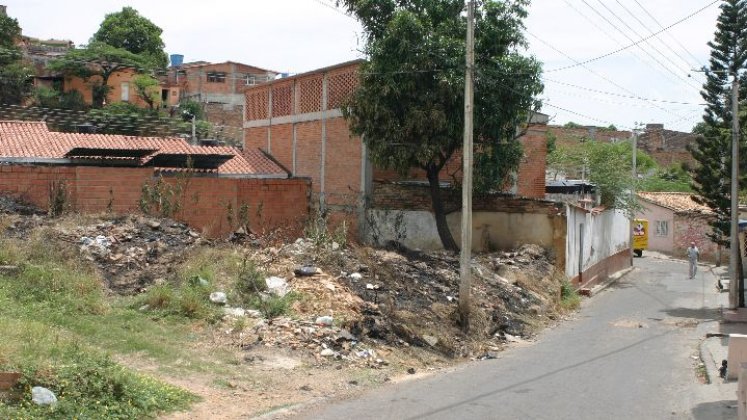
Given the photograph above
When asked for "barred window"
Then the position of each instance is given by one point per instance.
(662, 228)
(216, 77)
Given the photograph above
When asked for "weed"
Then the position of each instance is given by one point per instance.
(58, 198)
(159, 297)
(250, 282)
(569, 298)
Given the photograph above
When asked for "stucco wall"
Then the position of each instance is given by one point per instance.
(595, 244)
(694, 228)
(654, 213)
(491, 230)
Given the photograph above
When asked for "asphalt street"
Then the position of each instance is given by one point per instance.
(629, 353)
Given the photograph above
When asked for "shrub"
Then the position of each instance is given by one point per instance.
(569, 298)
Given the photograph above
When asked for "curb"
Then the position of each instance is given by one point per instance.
(610, 281)
(710, 364)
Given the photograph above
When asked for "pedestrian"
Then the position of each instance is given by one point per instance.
(692, 257)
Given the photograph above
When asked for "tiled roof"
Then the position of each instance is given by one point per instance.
(678, 201)
(33, 140)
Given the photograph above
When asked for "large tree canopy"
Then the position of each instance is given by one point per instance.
(409, 108)
(130, 31)
(15, 77)
(98, 59)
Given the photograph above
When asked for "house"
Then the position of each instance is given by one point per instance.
(675, 220)
(38, 53)
(298, 120)
(219, 87)
(108, 173)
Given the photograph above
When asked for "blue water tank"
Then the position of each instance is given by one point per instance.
(176, 60)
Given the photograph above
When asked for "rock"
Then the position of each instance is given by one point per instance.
(490, 355)
(219, 298)
(345, 335)
(144, 308)
(327, 353)
(42, 396)
(153, 224)
(431, 340)
(277, 286)
(411, 371)
(253, 313)
(305, 388)
(306, 270)
(236, 312)
(356, 276)
(193, 234)
(325, 320)
(335, 246)
(353, 382)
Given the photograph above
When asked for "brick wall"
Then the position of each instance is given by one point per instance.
(389, 196)
(227, 121)
(206, 202)
(694, 228)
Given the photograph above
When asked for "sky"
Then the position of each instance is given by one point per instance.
(293, 36)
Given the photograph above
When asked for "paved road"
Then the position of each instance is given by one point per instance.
(628, 355)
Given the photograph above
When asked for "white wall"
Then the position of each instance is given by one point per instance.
(602, 235)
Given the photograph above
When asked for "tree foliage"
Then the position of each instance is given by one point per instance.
(15, 77)
(148, 89)
(608, 166)
(409, 106)
(712, 150)
(130, 31)
(95, 63)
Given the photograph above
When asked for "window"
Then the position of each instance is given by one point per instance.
(250, 80)
(125, 91)
(662, 228)
(216, 77)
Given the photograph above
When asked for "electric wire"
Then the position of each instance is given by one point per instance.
(624, 48)
(674, 38)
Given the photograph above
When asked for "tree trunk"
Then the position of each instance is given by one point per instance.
(438, 210)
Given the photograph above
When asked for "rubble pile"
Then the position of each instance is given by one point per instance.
(356, 303)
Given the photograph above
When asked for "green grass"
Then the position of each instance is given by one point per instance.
(61, 331)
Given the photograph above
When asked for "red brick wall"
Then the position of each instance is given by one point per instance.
(694, 228)
(205, 202)
(531, 175)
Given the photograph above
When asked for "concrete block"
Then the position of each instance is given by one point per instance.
(737, 354)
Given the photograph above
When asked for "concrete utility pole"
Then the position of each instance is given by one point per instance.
(634, 152)
(465, 272)
(735, 254)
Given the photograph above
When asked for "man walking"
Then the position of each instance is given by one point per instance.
(692, 256)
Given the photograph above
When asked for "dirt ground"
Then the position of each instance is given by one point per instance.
(390, 313)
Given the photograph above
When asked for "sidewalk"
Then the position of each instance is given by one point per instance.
(714, 348)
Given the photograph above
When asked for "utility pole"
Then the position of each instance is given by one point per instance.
(734, 287)
(465, 285)
(634, 143)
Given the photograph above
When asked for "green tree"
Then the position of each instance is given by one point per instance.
(712, 176)
(608, 166)
(409, 105)
(130, 31)
(148, 89)
(96, 62)
(712, 149)
(15, 77)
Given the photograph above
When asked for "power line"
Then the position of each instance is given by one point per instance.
(600, 57)
(684, 48)
(621, 95)
(595, 73)
(631, 39)
(688, 64)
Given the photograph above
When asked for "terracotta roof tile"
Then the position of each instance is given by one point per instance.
(678, 201)
(23, 139)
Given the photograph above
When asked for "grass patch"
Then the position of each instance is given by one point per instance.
(569, 298)
(59, 327)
